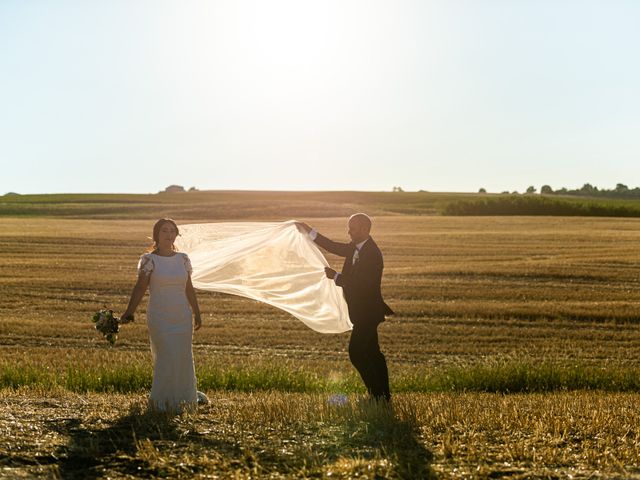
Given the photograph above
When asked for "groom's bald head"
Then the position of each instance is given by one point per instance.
(359, 227)
(361, 219)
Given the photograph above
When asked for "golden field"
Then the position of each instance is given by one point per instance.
(464, 289)
(469, 292)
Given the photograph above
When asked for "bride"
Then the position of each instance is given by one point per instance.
(172, 302)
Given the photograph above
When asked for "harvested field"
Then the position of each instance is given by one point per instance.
(497, 304)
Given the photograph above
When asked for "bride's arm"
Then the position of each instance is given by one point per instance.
(136, 296)
(193, 301)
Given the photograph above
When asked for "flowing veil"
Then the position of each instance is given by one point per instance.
(273, 263)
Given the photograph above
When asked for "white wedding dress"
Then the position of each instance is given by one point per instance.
(169, 320)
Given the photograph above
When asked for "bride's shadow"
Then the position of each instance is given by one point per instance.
(97, 451)
(126, 446)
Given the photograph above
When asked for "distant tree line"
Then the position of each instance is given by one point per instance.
(587, 190)
(540, 205)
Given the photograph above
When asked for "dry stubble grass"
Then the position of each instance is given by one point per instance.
(285, 435)
(468, 291)
(465, 290)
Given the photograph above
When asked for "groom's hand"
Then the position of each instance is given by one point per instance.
(303, 227)
(330, 272)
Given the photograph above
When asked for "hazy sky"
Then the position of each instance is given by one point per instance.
(443, 95)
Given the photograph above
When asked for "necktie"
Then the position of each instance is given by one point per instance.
(356, 257)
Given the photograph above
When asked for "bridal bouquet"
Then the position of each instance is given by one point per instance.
(107, 324)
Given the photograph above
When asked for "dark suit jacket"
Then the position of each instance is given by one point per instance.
(360, 282)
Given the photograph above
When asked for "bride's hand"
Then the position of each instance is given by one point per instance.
(197, 322)
(126, 317)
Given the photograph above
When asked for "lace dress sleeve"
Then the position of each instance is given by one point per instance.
(187, 264)
(145, 265)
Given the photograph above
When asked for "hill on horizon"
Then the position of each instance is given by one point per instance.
(225, 205)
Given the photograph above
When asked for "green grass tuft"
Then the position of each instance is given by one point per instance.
(513, 377)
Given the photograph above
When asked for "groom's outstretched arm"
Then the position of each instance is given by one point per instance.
(337, 248)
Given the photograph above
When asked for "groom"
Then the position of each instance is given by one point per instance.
(360, 281)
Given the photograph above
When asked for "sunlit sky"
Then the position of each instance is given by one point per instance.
(442, 95)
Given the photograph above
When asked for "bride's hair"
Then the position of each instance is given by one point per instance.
(156, 234)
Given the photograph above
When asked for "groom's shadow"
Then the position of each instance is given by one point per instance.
(97, 451)
(376, 427)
